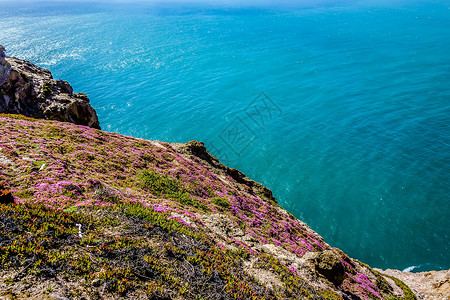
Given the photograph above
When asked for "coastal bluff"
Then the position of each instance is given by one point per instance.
(90, 214)
(31, 91)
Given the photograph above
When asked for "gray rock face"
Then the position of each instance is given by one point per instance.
(31, 91)
(5, 67)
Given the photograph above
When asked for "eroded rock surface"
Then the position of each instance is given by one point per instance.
(31, 91)
(426, 285)
(5, 67)
(327, 264)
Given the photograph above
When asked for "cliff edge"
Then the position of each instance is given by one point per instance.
(432, 285)
(101, 215)
(87, 214)
(31, 91)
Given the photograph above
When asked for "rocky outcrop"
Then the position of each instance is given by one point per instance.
(426, 285)
(31, 91)
(328, 264)
(198, 149)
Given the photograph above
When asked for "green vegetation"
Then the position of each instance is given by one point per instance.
(221, 201)
(44, 242)
(163, 186)
(159, 185)
(39, 163)
(112, 216)
(149, 257)
(384, 286)
(47, 90)
(408, 294)
(330, 295)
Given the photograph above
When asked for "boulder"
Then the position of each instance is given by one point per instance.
(327, 264)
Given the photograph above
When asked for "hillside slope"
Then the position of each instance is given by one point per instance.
(99, 215)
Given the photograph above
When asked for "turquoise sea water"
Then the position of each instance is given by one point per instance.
(342, 110)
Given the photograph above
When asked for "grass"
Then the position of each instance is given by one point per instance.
(159, 185)
(222, 202)
(163, 186)
(151, 256)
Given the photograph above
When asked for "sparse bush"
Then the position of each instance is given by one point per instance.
(106, 194)
(158, 184)
(221, 201)
(47, 90)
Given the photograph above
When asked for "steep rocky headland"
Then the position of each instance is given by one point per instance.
(87, 214)
(31, 91)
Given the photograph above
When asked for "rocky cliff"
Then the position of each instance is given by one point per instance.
(87, 214)
(98, 214)
(433, 285)
(31, 91)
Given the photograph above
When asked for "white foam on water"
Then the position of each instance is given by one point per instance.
(409, 269)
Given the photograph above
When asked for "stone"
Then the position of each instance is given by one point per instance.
(327, 264)
(29, 90)
(432, 285)
(96, 282)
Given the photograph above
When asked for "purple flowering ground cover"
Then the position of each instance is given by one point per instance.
(99, 215)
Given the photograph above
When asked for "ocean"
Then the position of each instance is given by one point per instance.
(341, 108)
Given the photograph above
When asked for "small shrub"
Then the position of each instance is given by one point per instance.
(186, 199)
(47, 90)
(330, 295)
(103, 193)
(158, 184)
(166, 187)
(221, 201)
